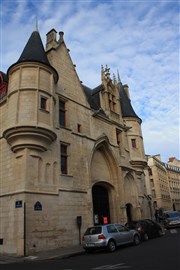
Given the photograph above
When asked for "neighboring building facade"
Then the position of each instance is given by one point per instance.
(163, 183)
(69, 154)
(173, 172)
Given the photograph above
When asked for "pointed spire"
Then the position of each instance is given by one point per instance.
(119, 80)
(107, 72)
(36, 26)
(114, 79)
(102, 72)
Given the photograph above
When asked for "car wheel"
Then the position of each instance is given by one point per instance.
(145, 237)
(111, 246)
(136, 240)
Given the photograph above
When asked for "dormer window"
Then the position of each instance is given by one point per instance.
(112, 103)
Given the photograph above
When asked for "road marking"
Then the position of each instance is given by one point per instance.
(115, 266)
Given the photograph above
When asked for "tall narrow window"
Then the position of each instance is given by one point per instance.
(133, 142)
(64, 159)
(43, 103)
(112, 103)
(79, 128)
(62, 113)
(118, 134)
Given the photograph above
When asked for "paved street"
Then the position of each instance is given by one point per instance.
(157, 254)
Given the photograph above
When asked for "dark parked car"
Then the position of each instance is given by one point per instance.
(109, 236)
(171, 219)
(147, 228)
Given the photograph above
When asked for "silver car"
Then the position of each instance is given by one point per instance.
(109, 236)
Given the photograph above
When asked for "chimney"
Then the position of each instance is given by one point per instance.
(126, 89)
(51, 39)
(61, 34)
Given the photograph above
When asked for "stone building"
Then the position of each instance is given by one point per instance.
(173, 172)
(163, 183)
(69, 154)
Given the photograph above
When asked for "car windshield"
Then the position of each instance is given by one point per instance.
(173, 214)
(93, 230)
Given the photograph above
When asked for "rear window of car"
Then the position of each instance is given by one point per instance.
(93, 230)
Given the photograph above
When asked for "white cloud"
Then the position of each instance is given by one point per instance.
(138, 38)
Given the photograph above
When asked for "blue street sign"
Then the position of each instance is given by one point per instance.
(18, 204)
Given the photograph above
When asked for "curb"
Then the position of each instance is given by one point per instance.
(65, 256)
(8, 260)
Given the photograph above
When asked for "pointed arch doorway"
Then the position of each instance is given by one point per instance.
(101, 210)
(129, 212)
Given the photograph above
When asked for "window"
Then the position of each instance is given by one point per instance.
(153, 194)
(133, 142)
(64, 159)
(112, 103)
(152, 183)
(118, 135)
(62, 113)
(111, 229)
(150, 171)
(121, 228)
(79, 128)
(43, 104)
(93, 230)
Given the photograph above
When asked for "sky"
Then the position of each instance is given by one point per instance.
(139, 39)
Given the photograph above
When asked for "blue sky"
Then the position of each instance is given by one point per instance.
(140, 39)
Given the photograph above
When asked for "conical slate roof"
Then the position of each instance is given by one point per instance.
(126, 107)
(34, 50)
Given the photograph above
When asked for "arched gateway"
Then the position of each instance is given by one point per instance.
(104, 175)
(100, 205)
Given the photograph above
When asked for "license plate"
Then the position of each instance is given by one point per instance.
(90, 245)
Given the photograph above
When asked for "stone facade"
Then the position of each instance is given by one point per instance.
(163, 183)
(44, 190)
(173, 172)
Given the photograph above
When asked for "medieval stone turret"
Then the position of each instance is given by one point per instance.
(31, 98)
(134, 134)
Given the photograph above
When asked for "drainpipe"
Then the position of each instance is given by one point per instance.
(24, 229)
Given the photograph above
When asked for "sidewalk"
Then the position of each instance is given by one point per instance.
(46, 255)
